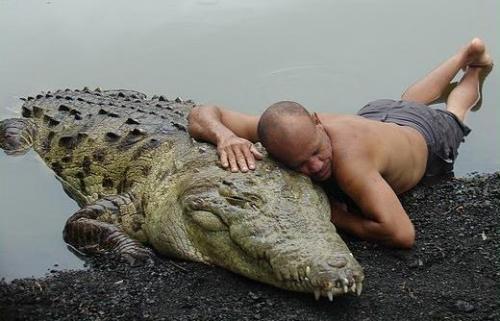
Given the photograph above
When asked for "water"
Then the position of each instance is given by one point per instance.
(328, 55)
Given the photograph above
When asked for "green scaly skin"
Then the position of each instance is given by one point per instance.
(141, 180)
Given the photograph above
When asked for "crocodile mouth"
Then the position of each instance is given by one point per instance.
(326, 277)
(330, 283)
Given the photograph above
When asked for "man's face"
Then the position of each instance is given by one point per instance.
(307, 150)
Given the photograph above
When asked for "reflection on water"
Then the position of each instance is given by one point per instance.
(328, 55)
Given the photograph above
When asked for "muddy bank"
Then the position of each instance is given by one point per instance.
(452, 273)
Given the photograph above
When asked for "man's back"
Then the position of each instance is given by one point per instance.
(397, 153)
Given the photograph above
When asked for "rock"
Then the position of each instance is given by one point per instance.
(464, 306)
(415, 263)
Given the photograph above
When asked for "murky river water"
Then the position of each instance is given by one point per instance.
(329, 55)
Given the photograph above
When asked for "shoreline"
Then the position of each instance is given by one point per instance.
(452, 273)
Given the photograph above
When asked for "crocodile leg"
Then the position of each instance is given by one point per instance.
(105, 225)
(17, 135)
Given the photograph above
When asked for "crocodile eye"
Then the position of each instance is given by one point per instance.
(208, 221)
(236, 201)
(245, 201)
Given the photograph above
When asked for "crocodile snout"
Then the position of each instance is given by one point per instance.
(329, 278)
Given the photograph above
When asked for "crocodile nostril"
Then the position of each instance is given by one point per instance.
(338, 262)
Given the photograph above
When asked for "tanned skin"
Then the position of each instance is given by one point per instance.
(371, 161)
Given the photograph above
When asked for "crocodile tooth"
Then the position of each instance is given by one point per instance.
(353, 288)
(359, 288)
(345, 289)
(316, 294)
(308, 270)
(306, 279)
(330, 295)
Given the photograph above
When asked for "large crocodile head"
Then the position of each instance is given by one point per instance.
(272, 225)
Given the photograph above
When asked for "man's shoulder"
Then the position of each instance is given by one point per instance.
(334, 117)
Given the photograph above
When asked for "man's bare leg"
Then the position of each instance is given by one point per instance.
(432, 86)
(467, 94)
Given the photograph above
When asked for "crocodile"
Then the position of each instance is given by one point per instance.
(146, 188)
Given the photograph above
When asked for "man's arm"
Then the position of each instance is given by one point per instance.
(383, 217)
(233, 133)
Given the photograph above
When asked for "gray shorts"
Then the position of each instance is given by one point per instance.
(442, 130)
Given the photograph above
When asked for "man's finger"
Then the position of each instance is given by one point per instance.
(255, 152)
(240, 159)
(249, 157)
(223, 159)
(232, 160)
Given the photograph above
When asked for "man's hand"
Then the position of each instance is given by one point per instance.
(238, 154)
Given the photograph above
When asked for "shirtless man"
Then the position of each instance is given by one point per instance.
(383, 151)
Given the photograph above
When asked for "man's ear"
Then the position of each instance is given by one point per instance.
(316, 120)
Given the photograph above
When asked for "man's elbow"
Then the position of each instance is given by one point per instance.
(403, 238)
(195, 119)
(400, 235)
(192, 120)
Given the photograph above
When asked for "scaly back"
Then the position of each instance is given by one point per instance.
(95, 140)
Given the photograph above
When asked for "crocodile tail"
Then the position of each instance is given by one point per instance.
(17, 135)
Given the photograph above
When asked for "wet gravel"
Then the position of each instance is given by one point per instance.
(451, 274)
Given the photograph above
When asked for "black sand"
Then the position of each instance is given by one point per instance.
(451, 274)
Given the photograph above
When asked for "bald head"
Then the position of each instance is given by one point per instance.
(281, 123)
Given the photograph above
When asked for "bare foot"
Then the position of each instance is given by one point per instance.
(482, 71)
(475, 54)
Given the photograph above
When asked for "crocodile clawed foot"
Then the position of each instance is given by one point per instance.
(138, 256)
